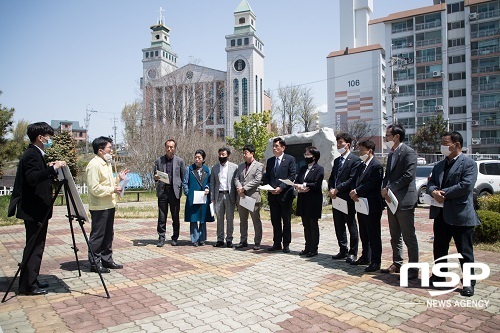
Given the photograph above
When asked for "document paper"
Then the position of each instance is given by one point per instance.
(340, 204)
(248, 203)
(393, 205)
(362, 206)
(199, 198)
(429, 200)
(163, 176)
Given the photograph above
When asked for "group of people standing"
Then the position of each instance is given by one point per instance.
(226, 186)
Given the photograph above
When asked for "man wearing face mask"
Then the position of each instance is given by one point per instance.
(103, 188)
(344, 169)
(452, 184)
(224, 195)
(400, 179)
(31, 201)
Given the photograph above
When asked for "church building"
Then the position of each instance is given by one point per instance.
(195, 97)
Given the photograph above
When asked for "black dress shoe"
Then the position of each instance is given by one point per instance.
(42, 285)
(112, 265)
(286, 249)
(312, 254)
(361, 261)
(101, 269)
(256, 247)
(303, 252)
(467, 291)
(373, 267)
(229, 244)
(174, 242)
(219, 244)
(241, 245)
(202, 243)
(34, 292)
(350, 258)
(435, 278)
(339, 255)
(274, 248)
(161, 242)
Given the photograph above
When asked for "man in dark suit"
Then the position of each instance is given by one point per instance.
(281, 166)
(339, 184)
(452, 184)
(400, 179)
(31, 201)
(169, 194)
(223, 193)
(367, 184)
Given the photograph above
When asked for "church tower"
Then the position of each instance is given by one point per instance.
(158, 59)
(245, 67)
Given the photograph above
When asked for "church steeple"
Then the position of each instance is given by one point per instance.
(159, 59)
(244, 18)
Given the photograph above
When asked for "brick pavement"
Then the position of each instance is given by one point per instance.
(207, 289)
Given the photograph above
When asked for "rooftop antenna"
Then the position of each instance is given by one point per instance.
(161, 18)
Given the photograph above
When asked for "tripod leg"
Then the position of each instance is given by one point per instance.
(75, 248)
(93, 255)
(30, 246)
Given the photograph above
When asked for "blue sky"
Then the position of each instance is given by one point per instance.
(59, 57)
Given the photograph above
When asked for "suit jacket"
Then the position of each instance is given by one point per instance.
(178, 168)
(32, 194)
(286, 170)
(191, 183)
(401, 179)
(310, 204)
(250, 179)
(458, 208)
(344, 177)
(368, 184)
(215, 181)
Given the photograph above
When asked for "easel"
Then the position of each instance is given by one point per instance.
(73, 214)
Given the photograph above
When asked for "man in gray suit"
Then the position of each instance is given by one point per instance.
(169, 194)
(223, 192)
(247, 180)
(400, 179)
(452, 184)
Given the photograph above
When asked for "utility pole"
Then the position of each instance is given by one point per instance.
(399, 63)
(114, 131)
(87, 122)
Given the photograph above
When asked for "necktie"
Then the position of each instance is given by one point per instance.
(389, 161)
(364, 165)
(276, 165)
(341, 164)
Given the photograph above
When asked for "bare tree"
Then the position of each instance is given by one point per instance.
(288, 97)
(306, 112)
(358, 130)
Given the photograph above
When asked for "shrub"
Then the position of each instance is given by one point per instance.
(489, 229)
(490, 202)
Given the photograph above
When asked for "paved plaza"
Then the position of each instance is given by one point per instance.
(207, 289)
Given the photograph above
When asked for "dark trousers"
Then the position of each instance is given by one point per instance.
(311, 233)
(281, 211)
(101, 235)
(340, 220)
(168, 199)
(370, 234)
(29, 275)
(462, 236)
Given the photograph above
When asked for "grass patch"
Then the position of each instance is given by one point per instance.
(492, 247)
(4, 205)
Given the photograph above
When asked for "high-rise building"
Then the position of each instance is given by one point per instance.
(195, 97)
(440, 59)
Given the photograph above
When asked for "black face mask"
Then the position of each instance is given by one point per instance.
(222, 160)
(309, 160)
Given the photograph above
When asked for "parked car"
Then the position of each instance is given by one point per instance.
(488, 179)
(423, 173)
(421, 161)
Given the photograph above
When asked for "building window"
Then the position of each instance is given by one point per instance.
(244, 95)
(456, 93)
(242, 20)
(456, 76)
(256, 94)
(455, 7)
(456, 42)
(459, 126)
(456, 25)
(457, 109)
(239, 41)
(236, 90)
(147, 54)
(456, 59)
(233, 42)
(246, 41)
(156, 53)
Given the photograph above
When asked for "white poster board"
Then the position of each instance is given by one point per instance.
(65, 173)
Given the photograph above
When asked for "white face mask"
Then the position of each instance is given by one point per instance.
(364, 157)
(342, 150)
(445, 150)
(108, 158)
(389, 144)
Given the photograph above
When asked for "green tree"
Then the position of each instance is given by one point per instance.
(7, 147)
(252, 129)
(132, 117)
(428, 137)
(20, 137)
(64, 149)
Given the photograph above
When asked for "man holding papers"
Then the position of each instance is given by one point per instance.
(452, 184)
(281, 166)
(247, 180)
(399, 181)
(168, 190)
(366, 190)
(343, 171)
